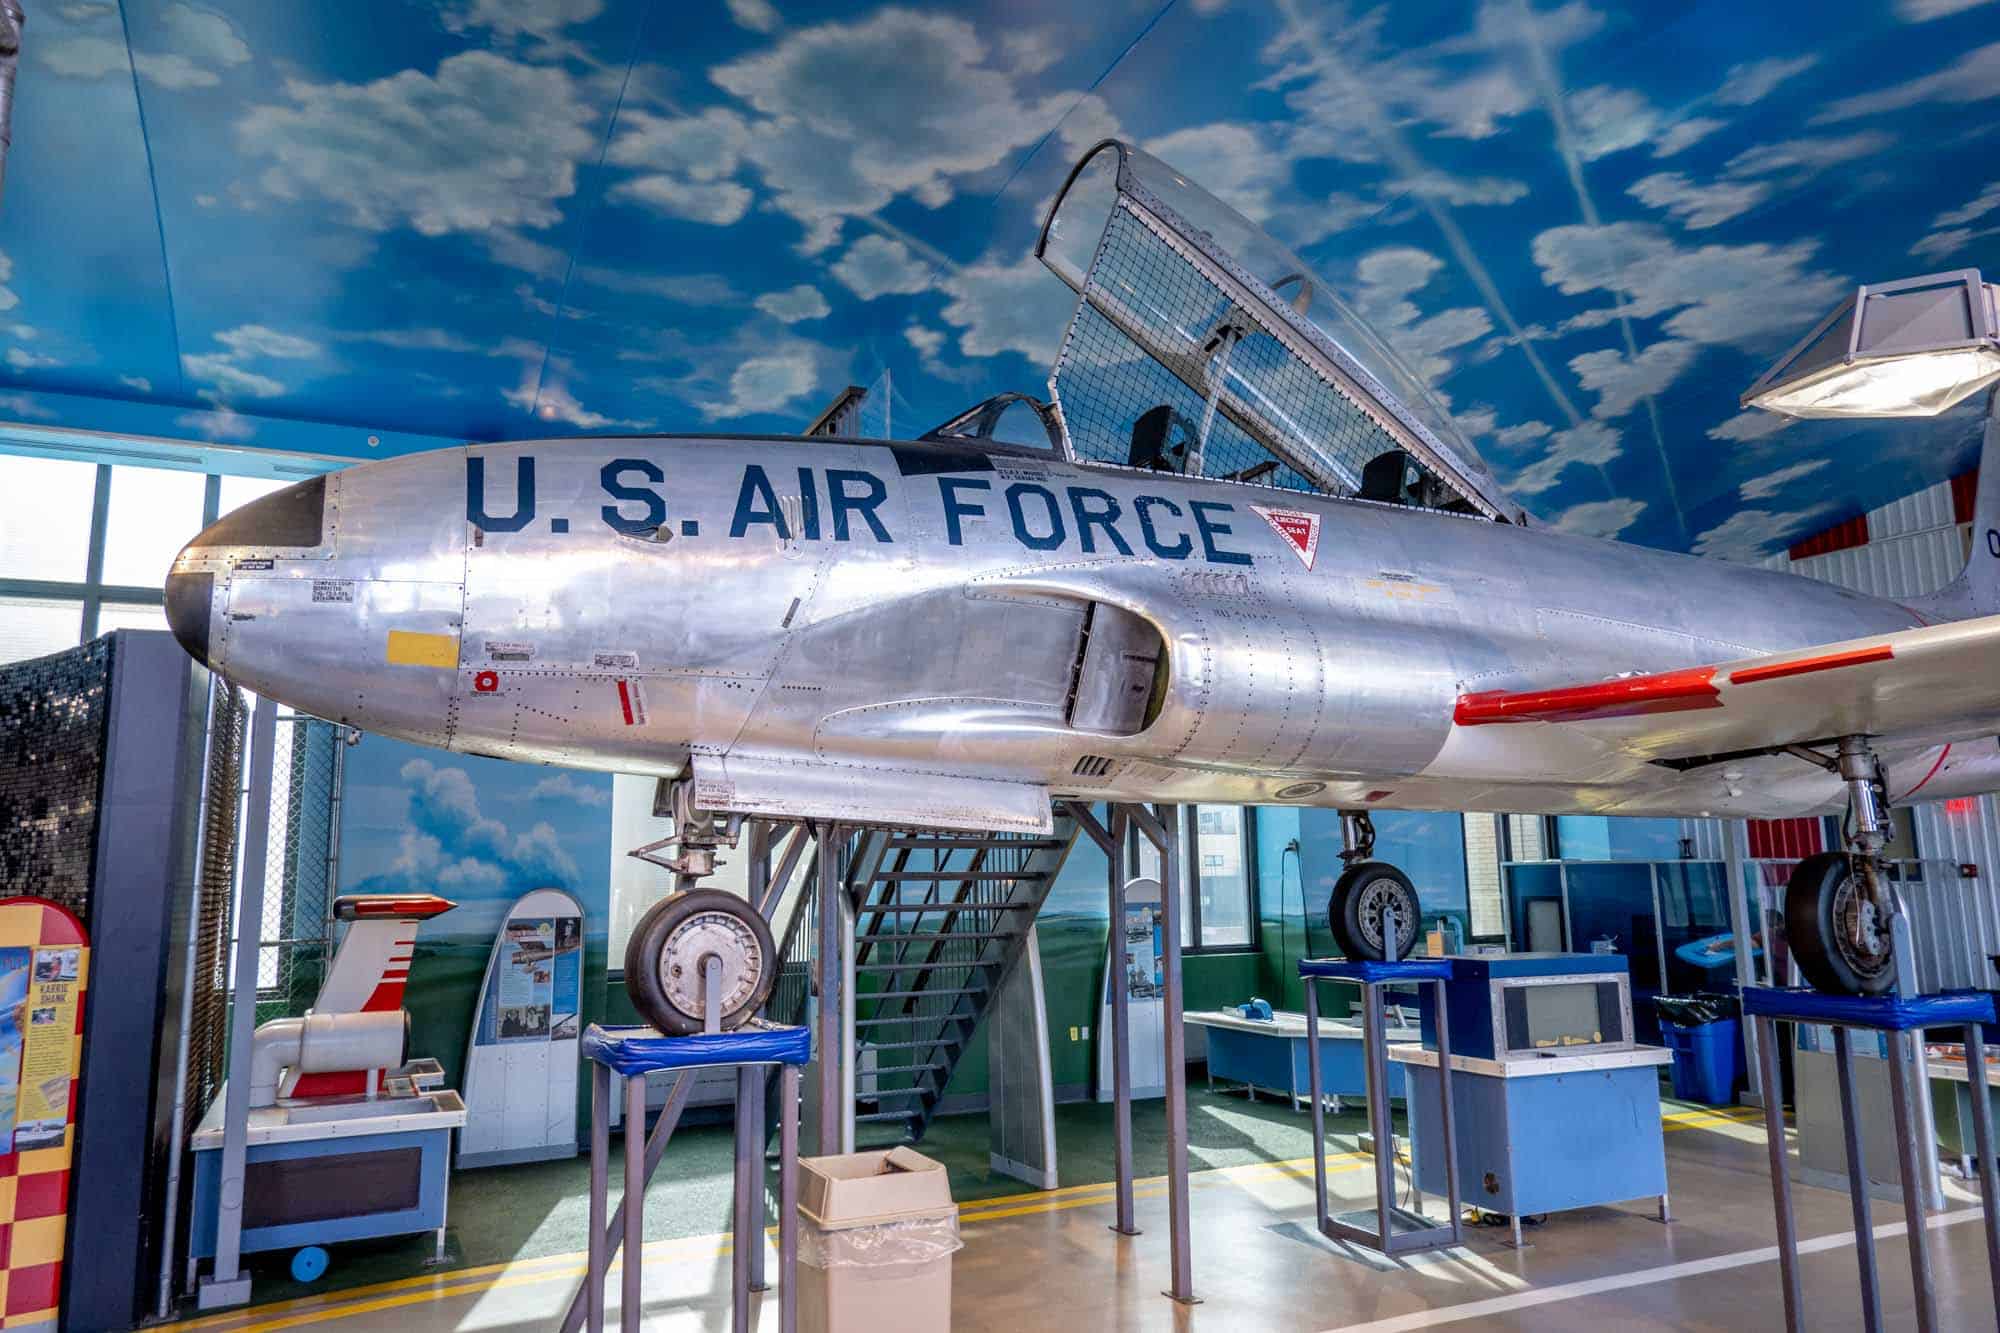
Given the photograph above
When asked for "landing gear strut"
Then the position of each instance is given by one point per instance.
(1840, 907)
(1373, 911)
(695, 932)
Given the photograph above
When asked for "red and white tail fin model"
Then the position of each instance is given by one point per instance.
(368, 974)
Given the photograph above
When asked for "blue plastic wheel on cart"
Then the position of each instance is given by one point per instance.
(310, 1263)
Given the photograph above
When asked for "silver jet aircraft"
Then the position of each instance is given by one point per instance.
(1242, 557)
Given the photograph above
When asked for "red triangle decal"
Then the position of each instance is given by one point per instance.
(1299, 528)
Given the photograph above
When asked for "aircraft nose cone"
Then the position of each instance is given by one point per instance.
(189, 598)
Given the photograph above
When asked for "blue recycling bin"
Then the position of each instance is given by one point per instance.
(1708, 1060)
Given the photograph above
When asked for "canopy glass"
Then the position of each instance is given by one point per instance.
(1202, 345)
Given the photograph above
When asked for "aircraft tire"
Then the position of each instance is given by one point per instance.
(1821, 891)
(663, 960)
(1356, 909)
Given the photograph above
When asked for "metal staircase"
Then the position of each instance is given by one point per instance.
(940, 920)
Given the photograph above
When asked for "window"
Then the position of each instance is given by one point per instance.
(45, 507)
(153, 514)
(1486, 901)
(1617, 838)
(85, 547)
(37, 626)
(1220, 911)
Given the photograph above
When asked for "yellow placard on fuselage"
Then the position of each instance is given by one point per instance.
(412, 648)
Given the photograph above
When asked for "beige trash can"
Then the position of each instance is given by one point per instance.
(877, 1233)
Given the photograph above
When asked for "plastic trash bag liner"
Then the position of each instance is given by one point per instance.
(885, 1246)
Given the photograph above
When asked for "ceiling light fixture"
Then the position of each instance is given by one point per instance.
(1912, 348)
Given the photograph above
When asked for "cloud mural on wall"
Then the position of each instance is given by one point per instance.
(1587, 225)
(415, 821)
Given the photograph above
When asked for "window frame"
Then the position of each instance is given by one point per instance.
(92, 590)
(1190, 825)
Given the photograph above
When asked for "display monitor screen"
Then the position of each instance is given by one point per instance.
(1561, 1015)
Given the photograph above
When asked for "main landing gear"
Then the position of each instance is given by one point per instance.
(1374, 910)
(697, 948)
(1840, 907)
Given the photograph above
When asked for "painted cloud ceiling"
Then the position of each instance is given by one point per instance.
(1588, 225)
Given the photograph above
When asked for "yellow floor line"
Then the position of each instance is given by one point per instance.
(525, 1272)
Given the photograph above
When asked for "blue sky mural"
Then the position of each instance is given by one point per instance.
(480, 832)
(1588, 225)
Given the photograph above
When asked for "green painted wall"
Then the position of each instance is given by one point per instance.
(1073, 950)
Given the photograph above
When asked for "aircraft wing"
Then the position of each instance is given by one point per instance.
(1939, 682)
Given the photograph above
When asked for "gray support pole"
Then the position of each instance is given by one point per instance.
(1900, 1090)
(1857, 1181)
(656, 1147)
(757, 861)
(1374, 1047)
(743, 1236)
(1735, 849)
(634, 1202)
(1121, 1027)
(759, 850)
(1781, 1183)
(1448, 1119)
(226, 1283)
(1165, 833)
(1315, 1081)
(1659, 935)
(600, 1185)
(829, 968)
(788, 1200)
(756, 1137)
(1982, 1137)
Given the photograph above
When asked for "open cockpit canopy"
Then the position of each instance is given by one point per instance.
(1202, 346)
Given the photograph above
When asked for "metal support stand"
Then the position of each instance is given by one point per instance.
(829, 974)
(1390, 1230)
(1161, 826)
(1903, 1018)
(1121, 1035)
(1111, 841)
(227, 1283)
(632, 1053)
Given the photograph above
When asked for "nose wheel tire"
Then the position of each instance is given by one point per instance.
(1363, 900)
(1837, 937)
(665, 957)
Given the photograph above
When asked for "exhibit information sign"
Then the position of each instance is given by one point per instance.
(521, 1065)
(44, 969)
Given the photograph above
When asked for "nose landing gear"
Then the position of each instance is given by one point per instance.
(1840, 907)
(1373, 911)
(694, 932)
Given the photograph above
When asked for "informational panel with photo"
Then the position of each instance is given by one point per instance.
(521, 1067)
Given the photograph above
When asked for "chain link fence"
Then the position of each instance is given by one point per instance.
(208, 979)
(299, 871)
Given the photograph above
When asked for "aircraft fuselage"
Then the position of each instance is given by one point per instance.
(983, 626)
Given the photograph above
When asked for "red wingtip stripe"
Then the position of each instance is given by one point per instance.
(1634, 696)
(1881, 652)
(625, 702)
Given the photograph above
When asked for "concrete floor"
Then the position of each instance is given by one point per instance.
(1035, 1261)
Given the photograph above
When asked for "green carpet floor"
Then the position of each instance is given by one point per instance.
(529, 1212)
